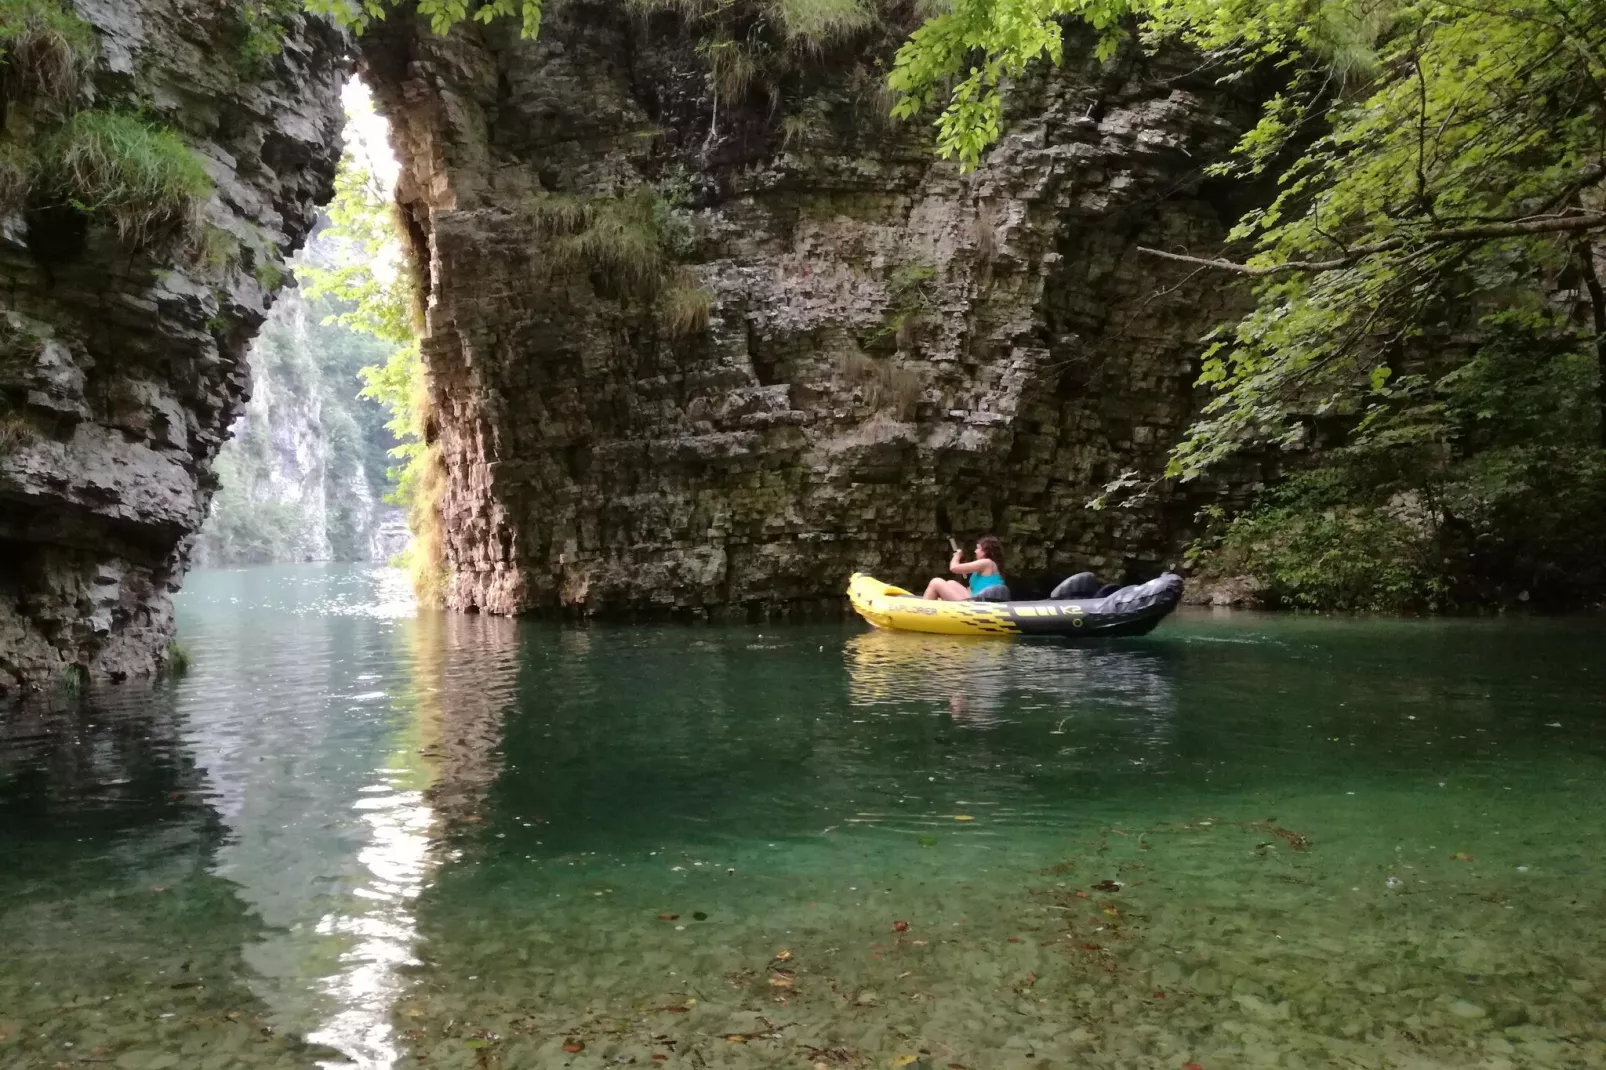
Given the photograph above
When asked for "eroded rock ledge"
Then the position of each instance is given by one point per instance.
(893, 350)
(121, 373)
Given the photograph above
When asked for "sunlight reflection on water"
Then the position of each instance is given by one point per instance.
(370, 980)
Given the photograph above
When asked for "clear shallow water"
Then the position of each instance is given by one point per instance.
(357, 836)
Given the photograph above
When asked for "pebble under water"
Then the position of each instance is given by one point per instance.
(356, 835)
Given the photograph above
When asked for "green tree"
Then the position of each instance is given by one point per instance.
(1423, 285)
(1438, 162)
(442, 14)
(374, 285)
(964, 55)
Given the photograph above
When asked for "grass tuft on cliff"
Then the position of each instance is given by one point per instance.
(113, 166)
(734, 65)
(816, 24)
(73, 681)
(413, 263)
(46, 51)
(685, 307)
(425, 556)
(259, 30)
(401, 384)
(810, 123)
(15, 432)
(884, 385)
(911, 294)
(214, 248)
(559, 215)
(621, 243)
(805, 24)
(759, 43)
(143, 180)
(17, 168)
(626, 242)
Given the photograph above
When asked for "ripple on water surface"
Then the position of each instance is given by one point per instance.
(356, 836)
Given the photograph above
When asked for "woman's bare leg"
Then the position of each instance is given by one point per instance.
(947, 591)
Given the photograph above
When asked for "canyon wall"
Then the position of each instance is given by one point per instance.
(302, 476)
(893, 350)
(121, 369)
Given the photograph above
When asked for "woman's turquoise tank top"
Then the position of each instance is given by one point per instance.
(979, 582)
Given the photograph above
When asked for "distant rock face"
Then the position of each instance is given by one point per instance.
(389, 536)
(894, 350)
(302, 475)
(121, 373)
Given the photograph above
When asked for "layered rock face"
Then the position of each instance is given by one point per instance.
(894, 350)
(122, 371)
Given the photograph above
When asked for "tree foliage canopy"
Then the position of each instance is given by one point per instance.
(1438, 163)
(367, 275)
(374, 287)
(442, 14)
(1451, 186)
(966, 53)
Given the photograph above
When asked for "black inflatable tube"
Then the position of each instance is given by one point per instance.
(1134, 610)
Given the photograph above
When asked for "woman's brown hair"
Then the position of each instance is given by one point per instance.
(992, 550)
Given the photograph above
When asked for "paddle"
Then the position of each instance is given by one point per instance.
(946, 527)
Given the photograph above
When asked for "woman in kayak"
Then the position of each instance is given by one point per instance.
(984, 572)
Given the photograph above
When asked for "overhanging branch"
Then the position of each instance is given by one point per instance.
(1551, 224)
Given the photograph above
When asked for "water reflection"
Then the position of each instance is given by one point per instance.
(333, 731)
(890, 666)
(985, 683)
(444, 757)
(64, 766)
(109, 836)
(465, 673)
(294, 721)
(382, 931)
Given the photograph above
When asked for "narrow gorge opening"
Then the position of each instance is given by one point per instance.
(307, 473)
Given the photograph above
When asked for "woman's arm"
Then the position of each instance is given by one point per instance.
(983, 565)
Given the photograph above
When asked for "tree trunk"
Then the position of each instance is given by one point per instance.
(1597, 302)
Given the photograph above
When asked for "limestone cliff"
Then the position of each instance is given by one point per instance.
(124, 368)
(303, 474)
(892, 350)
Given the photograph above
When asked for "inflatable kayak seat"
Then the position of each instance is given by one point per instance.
(1083, 585)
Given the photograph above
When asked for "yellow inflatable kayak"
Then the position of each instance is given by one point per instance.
(1134, 610)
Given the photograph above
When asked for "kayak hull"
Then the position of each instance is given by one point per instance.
(1134, 610)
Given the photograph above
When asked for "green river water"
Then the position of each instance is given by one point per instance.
(360, 836)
